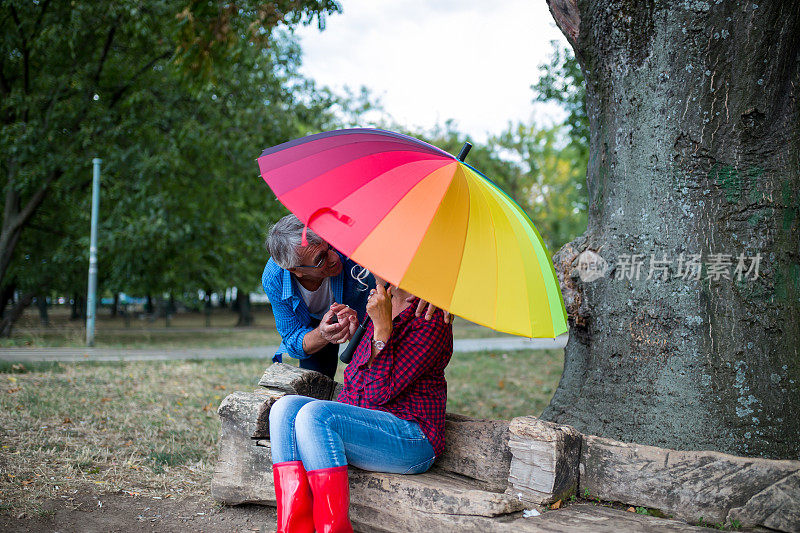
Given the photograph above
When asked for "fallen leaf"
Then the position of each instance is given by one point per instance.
(556, 505)
(105, 399)
(67, 420)
(14, 389)
(631, 510)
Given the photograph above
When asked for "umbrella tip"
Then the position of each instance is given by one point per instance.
(464, 151)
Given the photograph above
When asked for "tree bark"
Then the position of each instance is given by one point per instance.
(694, 122)
(115, 306)
(7, 324)
(41, 304)
(78, 308)
(244, 308)
(7, 297)
(207, 307)
(16, 215)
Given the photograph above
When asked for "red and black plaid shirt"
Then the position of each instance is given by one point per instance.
(407, 376)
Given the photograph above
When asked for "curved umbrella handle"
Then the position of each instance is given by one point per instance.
(341, 217)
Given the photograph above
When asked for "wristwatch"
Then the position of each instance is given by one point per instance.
(378, 345)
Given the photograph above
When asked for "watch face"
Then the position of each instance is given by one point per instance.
(378, 344)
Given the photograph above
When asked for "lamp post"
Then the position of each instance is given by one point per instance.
(91, 298)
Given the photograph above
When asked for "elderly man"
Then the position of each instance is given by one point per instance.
(316, 301)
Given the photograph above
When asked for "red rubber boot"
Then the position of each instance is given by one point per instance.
(295, 510)
(331, 500)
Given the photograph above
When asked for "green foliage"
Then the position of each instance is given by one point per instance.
(178, 99)
(537, 167)
(551, 185)
(562, 81)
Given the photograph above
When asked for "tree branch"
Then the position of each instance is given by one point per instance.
(4, 85)
(568, 19)
(106, 48)
(16, 312)
(41, 14)
(25, 52)
(32, 204)
(118, 94)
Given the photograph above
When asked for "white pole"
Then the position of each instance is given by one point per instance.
(91, 299)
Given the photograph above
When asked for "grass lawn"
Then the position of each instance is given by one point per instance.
(185, 330)
(151, 427)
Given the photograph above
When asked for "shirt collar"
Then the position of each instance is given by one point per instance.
(407, 314)
(288, 289)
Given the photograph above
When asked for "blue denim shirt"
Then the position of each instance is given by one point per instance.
(292, 318)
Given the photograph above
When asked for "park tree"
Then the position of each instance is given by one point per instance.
(694, 162)
(80, 79)
(542, 169)
(561, 81)
(551, 182)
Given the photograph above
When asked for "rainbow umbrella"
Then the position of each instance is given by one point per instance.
(424, 221)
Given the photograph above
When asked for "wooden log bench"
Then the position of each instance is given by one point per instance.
(492, 470)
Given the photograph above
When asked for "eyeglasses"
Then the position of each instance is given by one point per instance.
(322, 260)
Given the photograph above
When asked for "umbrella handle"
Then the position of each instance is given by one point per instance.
(355, 340)
(347, 355)
(341, 217)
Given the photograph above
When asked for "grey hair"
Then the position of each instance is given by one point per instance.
(283, 239)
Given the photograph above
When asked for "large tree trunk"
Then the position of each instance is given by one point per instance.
(695, 149)
(244, 308)
(115, 306)
(7, 297)
(7, 324)
(41, 304)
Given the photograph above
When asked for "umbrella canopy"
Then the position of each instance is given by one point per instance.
(424, 221)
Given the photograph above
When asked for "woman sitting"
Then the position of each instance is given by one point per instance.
(389, 417)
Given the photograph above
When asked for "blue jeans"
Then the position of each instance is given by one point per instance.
(326, 434)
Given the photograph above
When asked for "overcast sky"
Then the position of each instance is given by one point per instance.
(430, 60)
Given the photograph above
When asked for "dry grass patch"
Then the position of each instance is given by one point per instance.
(151, 428)
(148, 428)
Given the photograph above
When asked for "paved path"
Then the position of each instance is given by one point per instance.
(259, 352)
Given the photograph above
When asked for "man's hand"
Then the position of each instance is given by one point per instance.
(431, 309)
(346, 315)
(332, 330)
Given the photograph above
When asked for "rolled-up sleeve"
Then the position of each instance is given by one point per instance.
(289, 327)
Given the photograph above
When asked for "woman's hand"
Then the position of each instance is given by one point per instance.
(379, 309)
